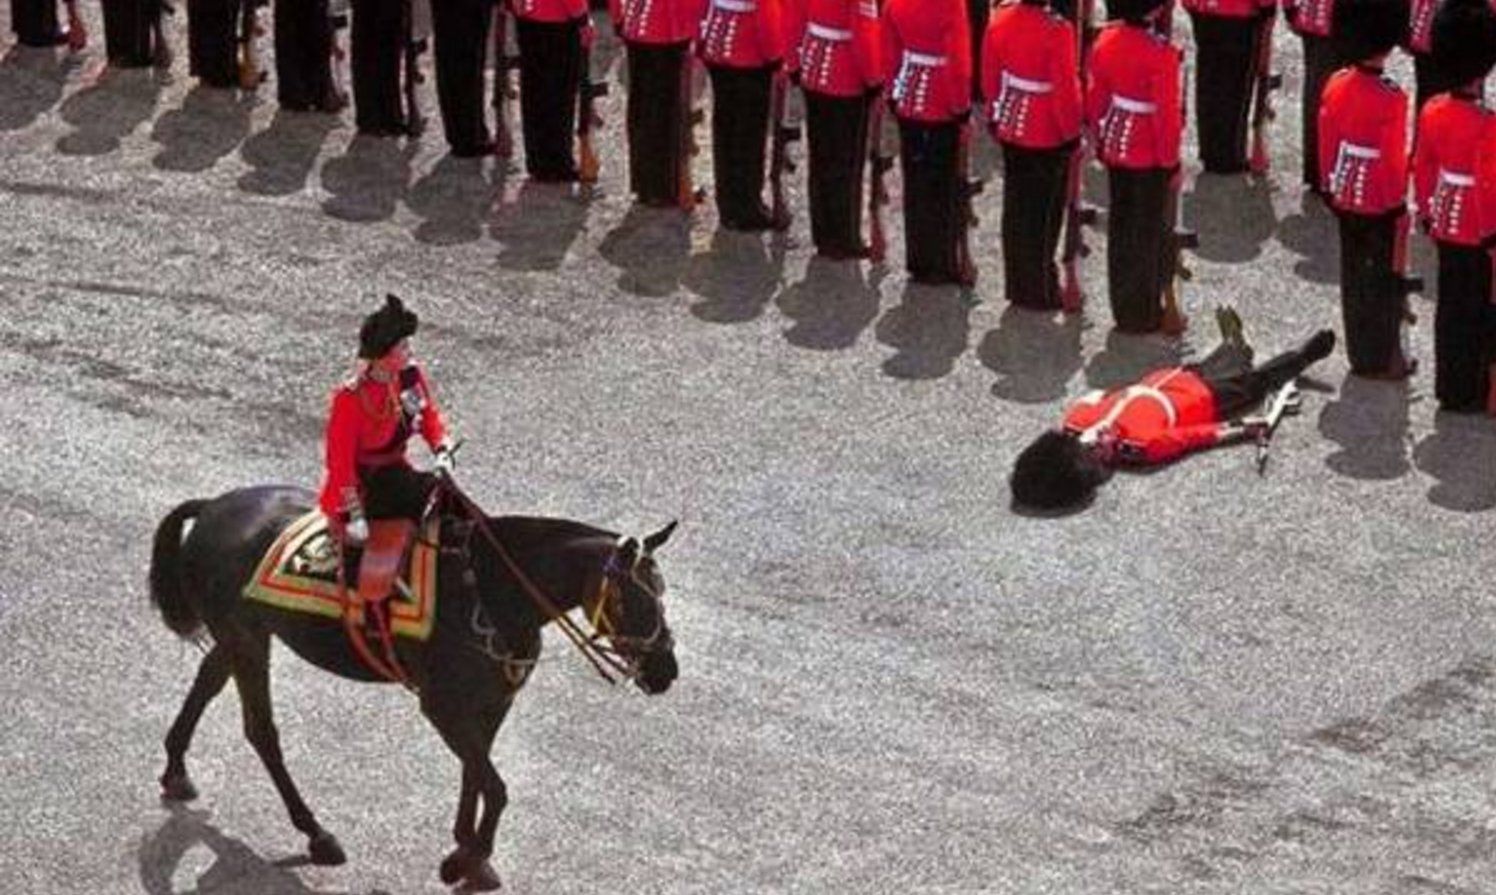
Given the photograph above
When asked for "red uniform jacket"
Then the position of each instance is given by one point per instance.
(368, 426)
(1454, 170)
(1310, 17)
(549, 10)
(927, 58)
(1420, 37)
(659, 22)
(1170, 413)
(1031, 77)
(742, 33)
(1230, 9)
(1363, 142)
(837, 45)
(1134, 98)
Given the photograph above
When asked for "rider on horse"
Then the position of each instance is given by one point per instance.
(371, 495)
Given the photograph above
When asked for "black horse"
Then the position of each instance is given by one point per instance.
(500, 580)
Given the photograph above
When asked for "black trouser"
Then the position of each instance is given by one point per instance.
(550, 77)
(1321, 60)
(35, 22)
(395, 492)
(1229, 373)
(460, 30)
(933, 209)
(1227, 60)
(836, 146)
(213, 41)
(303, 54)
(130, 32)
(657, 121)
(1431, 80)
(376, 48)
(1371, 297)
(1464, 328)
(979, 13)
(1034, 198)
(740, 129)
(1140, 256)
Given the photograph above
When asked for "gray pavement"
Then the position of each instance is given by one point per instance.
(1208, 682)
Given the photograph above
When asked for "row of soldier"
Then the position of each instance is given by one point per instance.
(1049, 88)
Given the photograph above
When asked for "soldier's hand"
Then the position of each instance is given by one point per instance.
(356, 531)
(1254, 427)
(446, 463)
(589, 34)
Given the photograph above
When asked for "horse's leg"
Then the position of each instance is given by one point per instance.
(212, 674)
(454, 866)
(252, 675)
(469, 734)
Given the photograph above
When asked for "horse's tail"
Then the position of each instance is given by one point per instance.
(177, 609)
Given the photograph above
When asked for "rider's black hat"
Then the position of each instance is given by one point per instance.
(383, 329)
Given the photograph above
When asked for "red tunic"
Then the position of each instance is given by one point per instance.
(1454, 170)
(1170, 413)
(1134, 98)
(742, 33)
(927, 58)
(1310, 17)
(1230, 9)
(1363, 142)
(837, 45)
(658, 22)
(1031, 77)
(369, 425)
(549, 10)
(1420, 37)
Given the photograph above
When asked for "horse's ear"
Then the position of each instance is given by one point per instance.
(627, 555)
(658, 539)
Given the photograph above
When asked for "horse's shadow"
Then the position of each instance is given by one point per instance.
(282, 156)
(651, 248)
(930, 327)
(736, 279)
(1126, 358)
(540, 227)
(209, 125)
(1369, 422)
(1233, 215)
(830, 307)
(367, 182)
(33, 80)
(103, 114)
(228, 867)
(1314, 236)
(1461, 456)
(1034, 352)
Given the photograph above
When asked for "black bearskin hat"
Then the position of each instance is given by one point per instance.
(1056, 472)
(1464, 40)
(1367, 28)
(1131, 10)
(383, 329)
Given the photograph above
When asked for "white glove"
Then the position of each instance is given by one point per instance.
(445, 462)
(357, 531)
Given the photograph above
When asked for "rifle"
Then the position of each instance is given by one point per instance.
(1262, 99)
(588, 119)
(688, 196)
(503, 90)
(966, 270)
(251, 76)
(879, 164)
(410, 63)
(1173, 321)
(1077, 214)
(337, 20)
(780, 162)
(77, 32)
(1286, 400)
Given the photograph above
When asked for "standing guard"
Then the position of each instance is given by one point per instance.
(1227, 33)
(927, 62)
(460, 34)
(304, 35)
(836, 59)
(1363, 160)
(742, 44)
(1314, 21)
(133, 36)
(1430, 77)
(1032, 104)
(35, 24)
(1454, 184)
(1134, 100)
(658, 34)
(554, 37)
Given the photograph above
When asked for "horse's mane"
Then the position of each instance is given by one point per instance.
(530, 531)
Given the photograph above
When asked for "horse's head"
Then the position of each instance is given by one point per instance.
(630, 612)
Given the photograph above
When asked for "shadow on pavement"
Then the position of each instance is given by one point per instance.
(1314, 236)
(31, 82)
(1369, 421)
(108, 111)
(1035, 353)
(736, 278)
(650, 247)
(539, 227)
(225, 867)
(208, 126)
(369, 179)
(1233, 215)
(830, 307)
(1461, 455)
(282, 156)
(1125, 358)
(930, 327)
(453, 201)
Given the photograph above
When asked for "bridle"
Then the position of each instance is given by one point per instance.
(628, 649)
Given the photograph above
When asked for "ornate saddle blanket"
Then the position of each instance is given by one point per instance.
(299, 573)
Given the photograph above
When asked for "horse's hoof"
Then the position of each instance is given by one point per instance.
(177, 788)
(454, 866)
(482, 878)
(325, 850)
